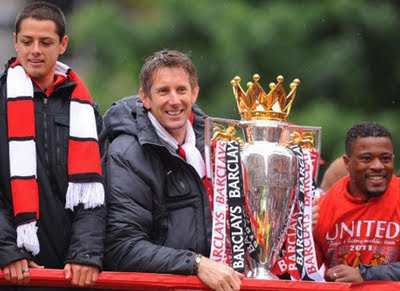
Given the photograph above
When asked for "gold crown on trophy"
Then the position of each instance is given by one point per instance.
(256, 104)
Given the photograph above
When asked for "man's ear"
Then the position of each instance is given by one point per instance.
(195, 93)
(145, 99)
(15, 42)
(346, 161)
(63, 45)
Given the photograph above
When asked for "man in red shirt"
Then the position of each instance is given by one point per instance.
(359, 217)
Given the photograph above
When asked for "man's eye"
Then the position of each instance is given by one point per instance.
(182, 90)
(386, 159)
(46, 43)
(365, 159)
(26, 42)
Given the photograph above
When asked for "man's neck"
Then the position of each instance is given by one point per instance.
(359, 195)
(179, 135)
(353, 191)
(45, 83)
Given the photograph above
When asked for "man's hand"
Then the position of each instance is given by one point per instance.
(18, 272)
(218, 276)
(81, 275)
(342, 273)
(315, 210)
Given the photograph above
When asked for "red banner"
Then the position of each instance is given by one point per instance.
(147, 281)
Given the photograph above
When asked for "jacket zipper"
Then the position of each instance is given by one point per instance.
(58, 145)
(46, 136)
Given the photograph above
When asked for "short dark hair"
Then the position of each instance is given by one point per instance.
(42, 11)
(166, 58)
(365, 129)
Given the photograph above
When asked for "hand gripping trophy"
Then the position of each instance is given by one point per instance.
(262, 186)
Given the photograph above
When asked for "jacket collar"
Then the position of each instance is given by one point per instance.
(145, 131)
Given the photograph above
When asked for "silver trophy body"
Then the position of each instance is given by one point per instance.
(271, 174)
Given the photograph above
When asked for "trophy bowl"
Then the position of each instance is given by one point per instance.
(270, 172)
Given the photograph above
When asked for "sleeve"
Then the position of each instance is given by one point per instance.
(87, 236)
(129, 226)
(88, 228)
(9, 251)
(389, 272)
(317, 244)
(318, 234)
(319, 255)
(99, 121)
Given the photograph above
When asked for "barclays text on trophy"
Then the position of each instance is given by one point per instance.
(263, 171)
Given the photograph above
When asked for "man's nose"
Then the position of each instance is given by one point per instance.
(174, 98)
(377, 164)
(36, 47)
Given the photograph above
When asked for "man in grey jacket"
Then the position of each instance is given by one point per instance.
(158, 213)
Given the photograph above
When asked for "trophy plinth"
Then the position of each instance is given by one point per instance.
(262, 273)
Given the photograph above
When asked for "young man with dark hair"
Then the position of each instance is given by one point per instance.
(158, 212)
(359, 218)
(52, 212)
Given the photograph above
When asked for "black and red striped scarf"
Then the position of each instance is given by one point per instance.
(85, 183)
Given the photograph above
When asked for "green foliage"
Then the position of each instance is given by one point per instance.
(344, 52)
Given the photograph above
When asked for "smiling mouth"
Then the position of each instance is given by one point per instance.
(35, 62)
(174, 113)
(376, 178)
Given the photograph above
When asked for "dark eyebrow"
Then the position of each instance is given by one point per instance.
(30, 37)
(363, 155)
(162, 88)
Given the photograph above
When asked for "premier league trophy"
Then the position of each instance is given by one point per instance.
(269, 172)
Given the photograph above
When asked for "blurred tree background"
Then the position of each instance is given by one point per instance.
(344, 52)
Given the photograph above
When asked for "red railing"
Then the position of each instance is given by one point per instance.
(146, 281)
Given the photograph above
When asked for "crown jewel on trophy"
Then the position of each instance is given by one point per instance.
(255, 104)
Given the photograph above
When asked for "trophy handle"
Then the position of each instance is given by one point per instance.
(307, 137)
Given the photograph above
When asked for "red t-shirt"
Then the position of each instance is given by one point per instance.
(350, 231)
